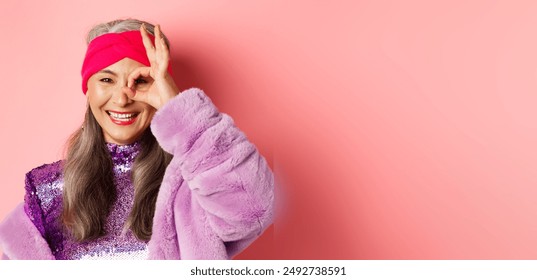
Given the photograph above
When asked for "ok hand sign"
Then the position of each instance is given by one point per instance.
(163, 87)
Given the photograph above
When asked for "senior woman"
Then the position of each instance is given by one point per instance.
(150, 174)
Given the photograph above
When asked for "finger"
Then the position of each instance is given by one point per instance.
(160, 43)
(158, 36)
(137, 73)
(162, 54)
(149, 48)
(132, 94)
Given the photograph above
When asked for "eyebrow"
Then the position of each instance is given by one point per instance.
(108, 72)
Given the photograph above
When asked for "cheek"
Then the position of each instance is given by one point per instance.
(96, 98)
(95, 111)
(150, 113)
(92, 104)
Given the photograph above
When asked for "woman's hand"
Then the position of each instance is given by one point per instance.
(163, 87)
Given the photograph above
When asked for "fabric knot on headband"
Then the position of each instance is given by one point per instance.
(110, 48)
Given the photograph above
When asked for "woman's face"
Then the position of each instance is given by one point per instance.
(122, 120)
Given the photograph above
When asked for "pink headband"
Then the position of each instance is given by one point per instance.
(110, 48)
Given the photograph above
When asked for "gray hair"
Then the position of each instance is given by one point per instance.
(121, 25)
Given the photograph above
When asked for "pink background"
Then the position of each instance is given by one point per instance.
(396, 129)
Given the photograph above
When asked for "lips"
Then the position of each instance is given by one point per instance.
(122, 118)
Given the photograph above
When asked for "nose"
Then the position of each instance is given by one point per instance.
(120, 97)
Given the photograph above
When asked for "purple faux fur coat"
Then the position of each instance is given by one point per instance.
(215, 199)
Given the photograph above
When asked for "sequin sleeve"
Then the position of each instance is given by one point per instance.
(32, 204)
(229, 178)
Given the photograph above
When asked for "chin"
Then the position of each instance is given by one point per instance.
(122, 140)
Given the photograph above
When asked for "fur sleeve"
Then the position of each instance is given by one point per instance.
(22, 231)
(230, 180)
(20, 240)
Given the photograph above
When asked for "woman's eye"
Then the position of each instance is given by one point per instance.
(106, 80)
(140, 81)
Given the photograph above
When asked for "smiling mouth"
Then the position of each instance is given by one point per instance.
(122, 118)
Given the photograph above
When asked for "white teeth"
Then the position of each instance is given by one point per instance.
(121, 116)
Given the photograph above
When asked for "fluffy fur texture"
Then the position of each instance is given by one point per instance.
(21, 240)
(215, 199)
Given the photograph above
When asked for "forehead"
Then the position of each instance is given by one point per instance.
(125, 65)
